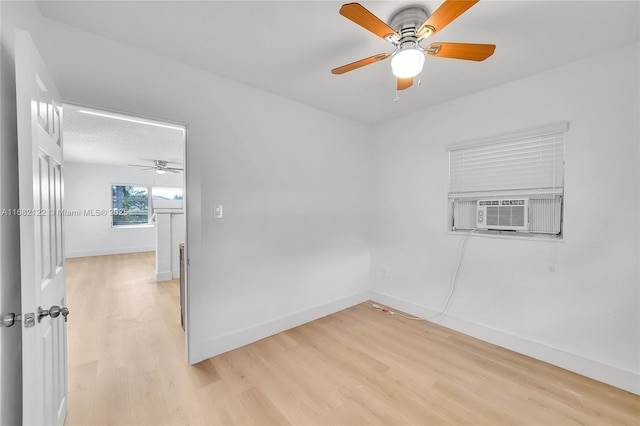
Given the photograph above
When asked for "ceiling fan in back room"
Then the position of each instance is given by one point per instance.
(407, 28)
(159, 166)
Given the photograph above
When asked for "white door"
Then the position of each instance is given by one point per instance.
(44, 332)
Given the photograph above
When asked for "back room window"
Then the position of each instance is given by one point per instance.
(161, 193)
(130, 205)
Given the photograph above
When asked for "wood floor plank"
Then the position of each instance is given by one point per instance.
(147, 399)
(111, 402)
(359, 366)
(259, 409)
(203, 373)
(82, 385)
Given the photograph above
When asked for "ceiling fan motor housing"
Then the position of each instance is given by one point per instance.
(406, 22)
(408, 58)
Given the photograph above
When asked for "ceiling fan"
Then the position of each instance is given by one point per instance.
(406, 29)
(160, 167)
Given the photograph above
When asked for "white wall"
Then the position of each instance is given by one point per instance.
(170, 232)
(88, 188)
(585, 315)
(294, 182)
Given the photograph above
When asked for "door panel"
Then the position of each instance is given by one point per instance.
(44, 340)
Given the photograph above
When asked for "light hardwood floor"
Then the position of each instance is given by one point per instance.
(356, 367)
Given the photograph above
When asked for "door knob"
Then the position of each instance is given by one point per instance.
(9, 319)
(65, 313)
(54, 312)
(42, 313)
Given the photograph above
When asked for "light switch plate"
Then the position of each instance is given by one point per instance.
(217, 212)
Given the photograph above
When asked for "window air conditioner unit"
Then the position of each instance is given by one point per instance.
(503, 214)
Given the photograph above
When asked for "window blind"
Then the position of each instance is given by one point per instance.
(530, 162)
(525, 165)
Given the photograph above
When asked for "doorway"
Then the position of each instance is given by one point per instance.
(125, 188)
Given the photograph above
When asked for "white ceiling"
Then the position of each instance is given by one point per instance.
(99, 137)
(289, 47)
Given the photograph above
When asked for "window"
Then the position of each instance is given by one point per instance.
(130, 205)
(509, 184)
(159, 193)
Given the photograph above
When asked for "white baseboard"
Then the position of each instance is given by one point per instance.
(596, 370)
(167, 275)
(164, 276)
(106, 252)
(252, 334)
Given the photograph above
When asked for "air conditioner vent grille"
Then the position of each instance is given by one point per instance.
(502, 214)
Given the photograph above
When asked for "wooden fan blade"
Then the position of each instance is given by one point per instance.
(443, 16)
(361, 63)
(404, 83)
(367, 20)
(468, 51)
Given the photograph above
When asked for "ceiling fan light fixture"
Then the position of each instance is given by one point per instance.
(408, 61)
(160, 171)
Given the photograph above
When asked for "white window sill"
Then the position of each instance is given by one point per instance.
(524, 237)
(142, 225)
